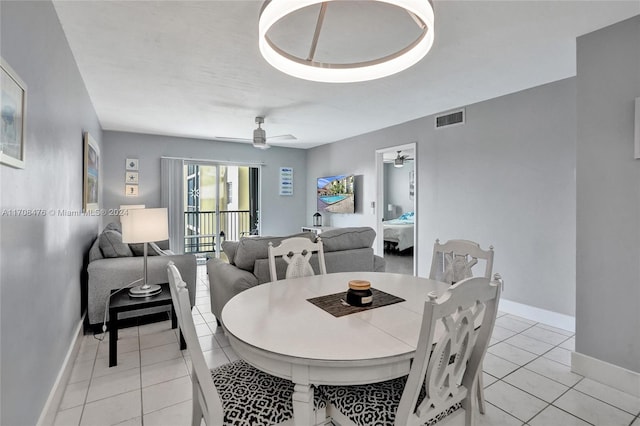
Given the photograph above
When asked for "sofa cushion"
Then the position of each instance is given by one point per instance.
(229, 248)
(347, 238)
(252, 248)
(111, 245)
(138, 248)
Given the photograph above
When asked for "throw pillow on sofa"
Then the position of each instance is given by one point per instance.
(229, 248)
(111, 244)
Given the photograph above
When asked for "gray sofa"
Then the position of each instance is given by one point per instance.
(345, 249)
(114, 264)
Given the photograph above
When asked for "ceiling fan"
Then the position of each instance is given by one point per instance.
(260, 138)
(400, 159)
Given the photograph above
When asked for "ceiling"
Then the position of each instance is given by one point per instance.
(193, 68)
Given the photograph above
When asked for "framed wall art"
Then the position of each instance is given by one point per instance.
(286, 181)
(131, 177)
(132, 164)
(637, 130)
(131, 190)
(13, 108)
(412, 184)
(91, 187)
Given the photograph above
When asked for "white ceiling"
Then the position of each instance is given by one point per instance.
(193, 69)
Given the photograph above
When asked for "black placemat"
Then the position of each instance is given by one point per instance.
(332, 303)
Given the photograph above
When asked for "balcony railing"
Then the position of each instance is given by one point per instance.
(200, 228)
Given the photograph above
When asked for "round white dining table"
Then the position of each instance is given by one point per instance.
(277, 330)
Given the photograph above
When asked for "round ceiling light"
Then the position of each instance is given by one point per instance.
(309, 69)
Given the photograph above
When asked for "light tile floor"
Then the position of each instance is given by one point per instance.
(527, 378)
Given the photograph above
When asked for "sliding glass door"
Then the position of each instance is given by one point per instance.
(220, 203)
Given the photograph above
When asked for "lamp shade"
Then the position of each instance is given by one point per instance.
(145, 225)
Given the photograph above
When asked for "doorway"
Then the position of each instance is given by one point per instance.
(220, 203)
(396, 211)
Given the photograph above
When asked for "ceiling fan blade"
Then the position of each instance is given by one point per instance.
(282, 138)
(225, 138)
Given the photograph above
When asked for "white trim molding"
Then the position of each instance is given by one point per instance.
(555, 319)
(50, 409)
(609, 374)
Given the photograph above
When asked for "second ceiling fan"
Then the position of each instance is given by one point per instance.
(400, 159)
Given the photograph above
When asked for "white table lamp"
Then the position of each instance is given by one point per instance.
(144, 226)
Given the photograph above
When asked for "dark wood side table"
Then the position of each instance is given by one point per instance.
(122, 302)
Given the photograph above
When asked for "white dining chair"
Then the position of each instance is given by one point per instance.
(443, 374)
(235, 393)
(296, 253)
(454, 261)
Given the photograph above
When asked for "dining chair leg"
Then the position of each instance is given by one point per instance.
(480, 392)
(321, 416)
(196, 410)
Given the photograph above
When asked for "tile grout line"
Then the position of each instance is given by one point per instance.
(542, 356)
(508, 374)
(523, 367)
(86, 395)
(550, 404)
(498, 408)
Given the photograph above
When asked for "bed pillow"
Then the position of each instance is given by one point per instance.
(408, 216)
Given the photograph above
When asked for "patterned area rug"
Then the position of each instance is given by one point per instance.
(336, 304)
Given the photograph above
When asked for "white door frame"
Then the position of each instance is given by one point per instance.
(380, 198)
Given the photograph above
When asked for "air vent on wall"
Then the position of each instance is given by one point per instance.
(450, 118)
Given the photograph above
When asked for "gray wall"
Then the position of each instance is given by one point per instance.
(41, 258)
(280, 214)
(504, 178)
(608, 196)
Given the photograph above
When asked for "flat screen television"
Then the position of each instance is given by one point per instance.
(336, 194)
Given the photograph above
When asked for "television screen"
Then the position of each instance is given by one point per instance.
(335, 194)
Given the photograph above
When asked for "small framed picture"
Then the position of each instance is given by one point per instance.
(637, 130)
(131, 177)
(131, 190)
(132, 164)
(13, 104)
(91, 181)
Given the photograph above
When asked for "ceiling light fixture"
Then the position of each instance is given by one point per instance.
(308, 69)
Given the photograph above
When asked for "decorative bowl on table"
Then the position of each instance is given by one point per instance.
(359, 293)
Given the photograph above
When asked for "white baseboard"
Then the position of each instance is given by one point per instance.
(609, 374)
(565, 322)
(48, 414)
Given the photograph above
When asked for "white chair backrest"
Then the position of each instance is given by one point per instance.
(203, 388)
(296, 252)
(449, 370)
(175, 282)
(453, 261)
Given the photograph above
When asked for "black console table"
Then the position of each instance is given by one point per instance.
(122, 302)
